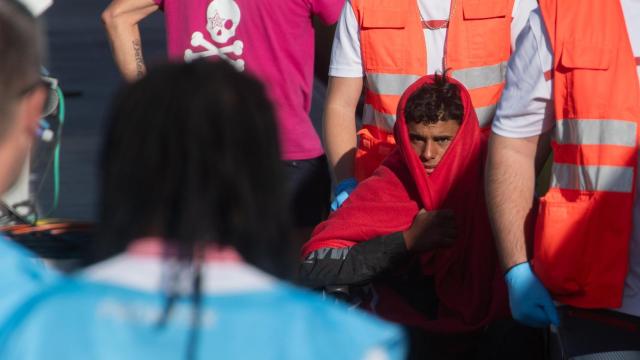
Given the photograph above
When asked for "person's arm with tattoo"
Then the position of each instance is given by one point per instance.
(121, 20)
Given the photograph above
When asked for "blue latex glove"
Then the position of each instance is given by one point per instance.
(530, 302)
(342, 191)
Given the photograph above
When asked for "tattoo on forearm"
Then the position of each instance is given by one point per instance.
(137, 49)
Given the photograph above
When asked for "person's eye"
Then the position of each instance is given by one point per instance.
(443, 140)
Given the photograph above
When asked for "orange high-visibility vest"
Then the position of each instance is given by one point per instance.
(394, 55)
(585, 220)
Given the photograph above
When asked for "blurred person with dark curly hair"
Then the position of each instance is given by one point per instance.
(192, 241)
(413, 242)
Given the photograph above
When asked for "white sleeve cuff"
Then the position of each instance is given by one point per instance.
(344, 71)
(522, 127)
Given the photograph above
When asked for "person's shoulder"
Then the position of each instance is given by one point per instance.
(70, 295)
(20, 266)
(302, 319)
(16, 258)
(75, 302)
(71, 311)
(9, 248)
(327, 10)
(323, 312)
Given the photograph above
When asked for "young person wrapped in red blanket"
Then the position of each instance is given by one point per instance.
(415, 237)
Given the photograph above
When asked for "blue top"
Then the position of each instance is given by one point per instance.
(21, 276)
(87, 319)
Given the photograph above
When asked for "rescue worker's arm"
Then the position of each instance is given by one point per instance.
(339, 125)
(121, 20)
(512, 165)
(521, 131)
(361, 263)
(510, 179)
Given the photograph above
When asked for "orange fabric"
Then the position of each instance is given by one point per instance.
(382, 103)
(373, 147)
(582, 236)
(489, 95)
(390, 36)
(593, 155)
(392, 42)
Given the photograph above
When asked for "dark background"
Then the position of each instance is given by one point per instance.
(79, 56)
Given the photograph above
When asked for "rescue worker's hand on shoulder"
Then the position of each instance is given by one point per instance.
(530, 302)
(342, 192)
(431, 230)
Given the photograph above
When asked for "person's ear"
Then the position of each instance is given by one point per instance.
(33, 104)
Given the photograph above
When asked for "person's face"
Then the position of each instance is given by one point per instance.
(22, 120)
(430, 141)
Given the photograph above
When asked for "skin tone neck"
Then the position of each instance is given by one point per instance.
(430, 141)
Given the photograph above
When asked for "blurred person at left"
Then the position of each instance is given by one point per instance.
(22, 98)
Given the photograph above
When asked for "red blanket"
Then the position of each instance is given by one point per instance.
(468, 280)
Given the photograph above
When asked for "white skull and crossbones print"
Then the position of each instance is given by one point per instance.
(223, 18)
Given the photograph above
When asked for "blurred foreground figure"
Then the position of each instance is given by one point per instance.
(22, 98)
(192, 220)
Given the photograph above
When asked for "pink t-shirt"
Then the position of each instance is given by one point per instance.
(272, 39)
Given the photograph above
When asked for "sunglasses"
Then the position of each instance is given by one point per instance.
(50, 85)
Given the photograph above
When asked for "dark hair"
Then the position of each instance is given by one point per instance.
(191, 155)
(21, 52)
(438, 101)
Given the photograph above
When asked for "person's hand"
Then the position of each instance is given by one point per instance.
(431, 230)
(530, 302)
(342, 192)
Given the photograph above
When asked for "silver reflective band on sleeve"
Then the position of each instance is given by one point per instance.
(592, 178)
(610, 355)
(485, 115)
(482, 76)
(373, 117)
(389, 84)
(331, 253)
(596, 132)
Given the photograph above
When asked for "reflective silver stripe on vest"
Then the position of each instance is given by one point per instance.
(596, 132)
(482, 76)
(384, 121)
(592, 178)
(485, 115)
(389, 84)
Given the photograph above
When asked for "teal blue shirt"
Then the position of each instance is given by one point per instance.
(87, 319)
(22, 275)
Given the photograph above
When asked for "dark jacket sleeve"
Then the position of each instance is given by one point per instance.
(354, 265)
